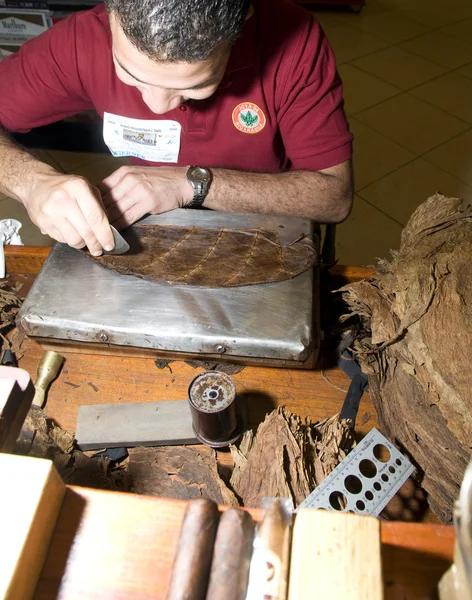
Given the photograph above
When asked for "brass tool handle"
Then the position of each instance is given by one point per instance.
(48, 369)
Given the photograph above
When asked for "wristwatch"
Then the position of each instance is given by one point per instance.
(200, 180)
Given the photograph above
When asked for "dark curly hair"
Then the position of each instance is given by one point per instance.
(179, 30)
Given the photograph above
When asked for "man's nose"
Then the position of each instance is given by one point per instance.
(160, 100)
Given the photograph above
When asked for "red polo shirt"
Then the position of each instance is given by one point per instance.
(281, 73)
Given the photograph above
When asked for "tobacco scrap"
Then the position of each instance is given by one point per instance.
(210, 257)
(415, 344)
(225, 367)
(288, 457)
(10, 304)
(178, 472)
(41, 438)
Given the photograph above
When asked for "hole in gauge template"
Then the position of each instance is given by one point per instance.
(360, 505)
(353, 484)
(369, 495)
(399, 462)
(382, 453)
(391, 469)
(338, 500)
(367, 468)
(377, 486)
(384, 477)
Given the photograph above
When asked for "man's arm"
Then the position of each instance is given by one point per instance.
(324, 196)
(66, 207)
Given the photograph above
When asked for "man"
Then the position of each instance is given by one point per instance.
(247, 93)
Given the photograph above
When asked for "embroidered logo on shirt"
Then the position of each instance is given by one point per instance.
(249, 118)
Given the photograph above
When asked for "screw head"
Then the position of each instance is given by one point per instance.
(221, 349)
(104, 337)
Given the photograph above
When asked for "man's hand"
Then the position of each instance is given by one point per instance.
(132, 192)
(69, 209)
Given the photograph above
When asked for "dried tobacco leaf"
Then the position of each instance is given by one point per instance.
(288, 457)
(178, 472)
(417, 345)
(209, 257)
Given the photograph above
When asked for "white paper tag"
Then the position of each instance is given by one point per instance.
(155, 141)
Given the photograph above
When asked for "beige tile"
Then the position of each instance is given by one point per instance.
(389, 4)
(378, 6)
(451, 92)
(96, 171)
(350, 43)
(466, 71)
(69, 161)
(362, 90)
(328, 19)
(455, 157)
(412, 123)
(436, 13)
(461, 30)
(399, 67)
(374, 155)
(441, 49)
(30, 234)
(367, 234)
(401, 192)
(392, 26)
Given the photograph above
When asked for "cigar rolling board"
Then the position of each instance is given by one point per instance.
(77, 304)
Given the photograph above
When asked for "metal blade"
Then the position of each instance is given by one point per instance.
(121, 245)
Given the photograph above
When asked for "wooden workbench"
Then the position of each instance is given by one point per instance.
(93, 379)
(113, 545)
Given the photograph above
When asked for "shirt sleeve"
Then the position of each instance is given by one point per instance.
(311, 116)
(40, 84)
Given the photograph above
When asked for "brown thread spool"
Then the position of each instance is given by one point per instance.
(212, 400)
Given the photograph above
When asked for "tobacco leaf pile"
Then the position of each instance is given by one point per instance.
(195, 255)
(10, 304)
(416, 345)
(288, 458)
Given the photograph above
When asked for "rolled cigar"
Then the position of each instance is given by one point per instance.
(191, 568)
(231, 556)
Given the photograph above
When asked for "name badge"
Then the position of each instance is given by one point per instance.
(154, 141)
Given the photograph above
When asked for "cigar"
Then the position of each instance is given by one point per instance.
(231, 556)
(191, 569)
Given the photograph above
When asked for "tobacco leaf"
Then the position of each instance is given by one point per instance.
(288, 457)
(417, 344)
(210, 257)
(10, 303)
(178, 472)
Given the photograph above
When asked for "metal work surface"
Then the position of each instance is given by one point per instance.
(365, 481)
(76, 299)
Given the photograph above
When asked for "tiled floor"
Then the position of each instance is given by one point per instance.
(407, 72)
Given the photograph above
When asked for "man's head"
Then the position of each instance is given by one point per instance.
(174, 50)
(179, 30)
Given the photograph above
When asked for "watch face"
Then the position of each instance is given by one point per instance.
(199, 175)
